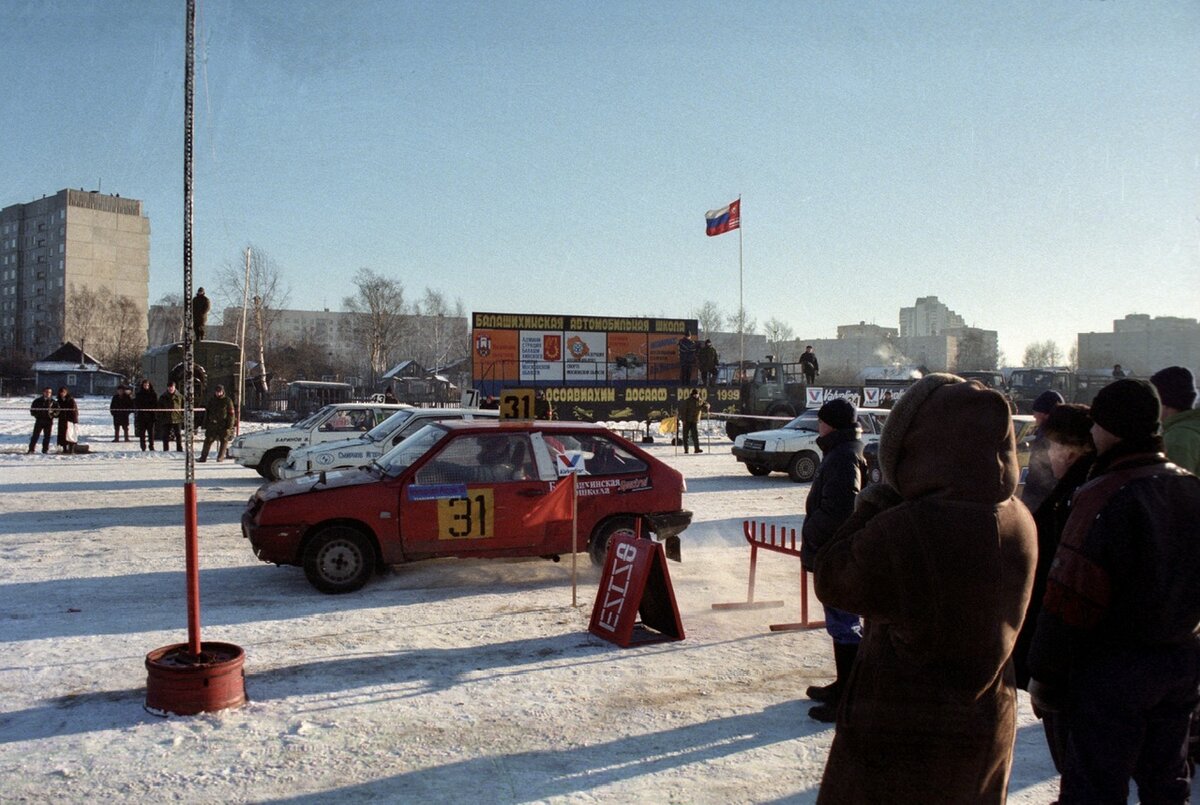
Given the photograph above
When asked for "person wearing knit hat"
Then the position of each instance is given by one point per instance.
(1180, 421)
(1067, 430)
(1115, 649)
(829, 503)
(1039, 478)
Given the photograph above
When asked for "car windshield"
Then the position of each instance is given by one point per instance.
(388, 426)
(402, 456)
(806, 421)
(314, 417)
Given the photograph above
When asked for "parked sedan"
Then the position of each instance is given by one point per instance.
(465, 489)
(793, 448)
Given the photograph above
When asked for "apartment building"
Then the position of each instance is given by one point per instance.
(74, 238)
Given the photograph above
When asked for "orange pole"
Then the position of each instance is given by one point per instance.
(192, 550)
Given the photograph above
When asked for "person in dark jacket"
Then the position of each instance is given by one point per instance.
(68, 414)
(170, 417)
(706, 361)
(43, 410)
(829, 503)
(1039, 480)
(1116, 648)
(200, 307)
(687, 358)
(1068, 429)
(810, 365)
(220, 418)
(689, 418)
(121, 406)
(938, 560)
(144, 403)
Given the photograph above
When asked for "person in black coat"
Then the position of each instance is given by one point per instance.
(829, 504)
(1116, 647)
(68, 413)
(1067, 430)
(43, 410)
(810, 365)
(121, 406)
(200, 307)
(145, 401)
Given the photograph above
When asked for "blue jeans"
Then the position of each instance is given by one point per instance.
(843, 627)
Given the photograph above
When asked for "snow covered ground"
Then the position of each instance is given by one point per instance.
(444, 681)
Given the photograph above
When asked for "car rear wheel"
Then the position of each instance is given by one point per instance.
(758, 469)
(876, 475)
(598, 546)
(338, 559)
(803, 466)
(271, 467)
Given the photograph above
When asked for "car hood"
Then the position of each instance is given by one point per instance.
(336, 479)
(340, 444)
(778, 433)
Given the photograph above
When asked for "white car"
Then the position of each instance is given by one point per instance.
(793, 448)
(267, 450)
(369, 446)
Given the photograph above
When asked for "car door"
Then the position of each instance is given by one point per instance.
(471, 495)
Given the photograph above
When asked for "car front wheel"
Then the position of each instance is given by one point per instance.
(758, 469)
(271, 467)
(338, 559)
(803, 467)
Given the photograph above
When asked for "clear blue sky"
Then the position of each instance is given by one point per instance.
(1036, 165)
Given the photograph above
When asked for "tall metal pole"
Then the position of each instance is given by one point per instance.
(741, 300)
(192, 548)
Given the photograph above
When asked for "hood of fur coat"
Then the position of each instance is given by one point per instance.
(952, 438)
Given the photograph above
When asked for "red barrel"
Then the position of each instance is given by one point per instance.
(185, 684)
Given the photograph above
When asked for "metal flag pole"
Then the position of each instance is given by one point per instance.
(241, 389)
(741, 299)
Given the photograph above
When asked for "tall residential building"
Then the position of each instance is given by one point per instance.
(927, 317)
(86, 240)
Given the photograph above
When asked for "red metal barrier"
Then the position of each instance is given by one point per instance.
(782, 541)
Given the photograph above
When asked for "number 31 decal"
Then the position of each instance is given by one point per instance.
(469, 517)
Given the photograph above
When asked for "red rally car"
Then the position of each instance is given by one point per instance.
(465, 489)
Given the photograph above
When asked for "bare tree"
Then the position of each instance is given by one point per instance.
(127, 339)
(263, 289)
(86, 309)
(740, 322)
(1043, 353)
(779, 335)
(974, 352)
(379, 317)
(709, 318)
(438, 332)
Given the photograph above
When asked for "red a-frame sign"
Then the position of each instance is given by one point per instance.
(635, 581)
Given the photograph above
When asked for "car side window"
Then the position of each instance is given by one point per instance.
(481, 458)
(603, 456)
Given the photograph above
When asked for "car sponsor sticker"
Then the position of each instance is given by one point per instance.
(608, 486)
(436, 491)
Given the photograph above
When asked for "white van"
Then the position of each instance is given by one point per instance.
(267, 450)
(364, 449)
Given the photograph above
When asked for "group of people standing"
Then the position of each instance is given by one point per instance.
(155, 417)
(693, 357)
(46, 410)
(933, 580)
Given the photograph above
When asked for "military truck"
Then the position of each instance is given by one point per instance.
(1026, 384)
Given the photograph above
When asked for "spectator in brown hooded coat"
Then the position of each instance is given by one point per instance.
(939, 562)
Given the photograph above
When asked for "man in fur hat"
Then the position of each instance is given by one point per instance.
(1116, 648)
(938, 560)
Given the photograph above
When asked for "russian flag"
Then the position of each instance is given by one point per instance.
(718, 222)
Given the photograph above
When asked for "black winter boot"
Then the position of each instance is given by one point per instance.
(826, 693)
(843, 658)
